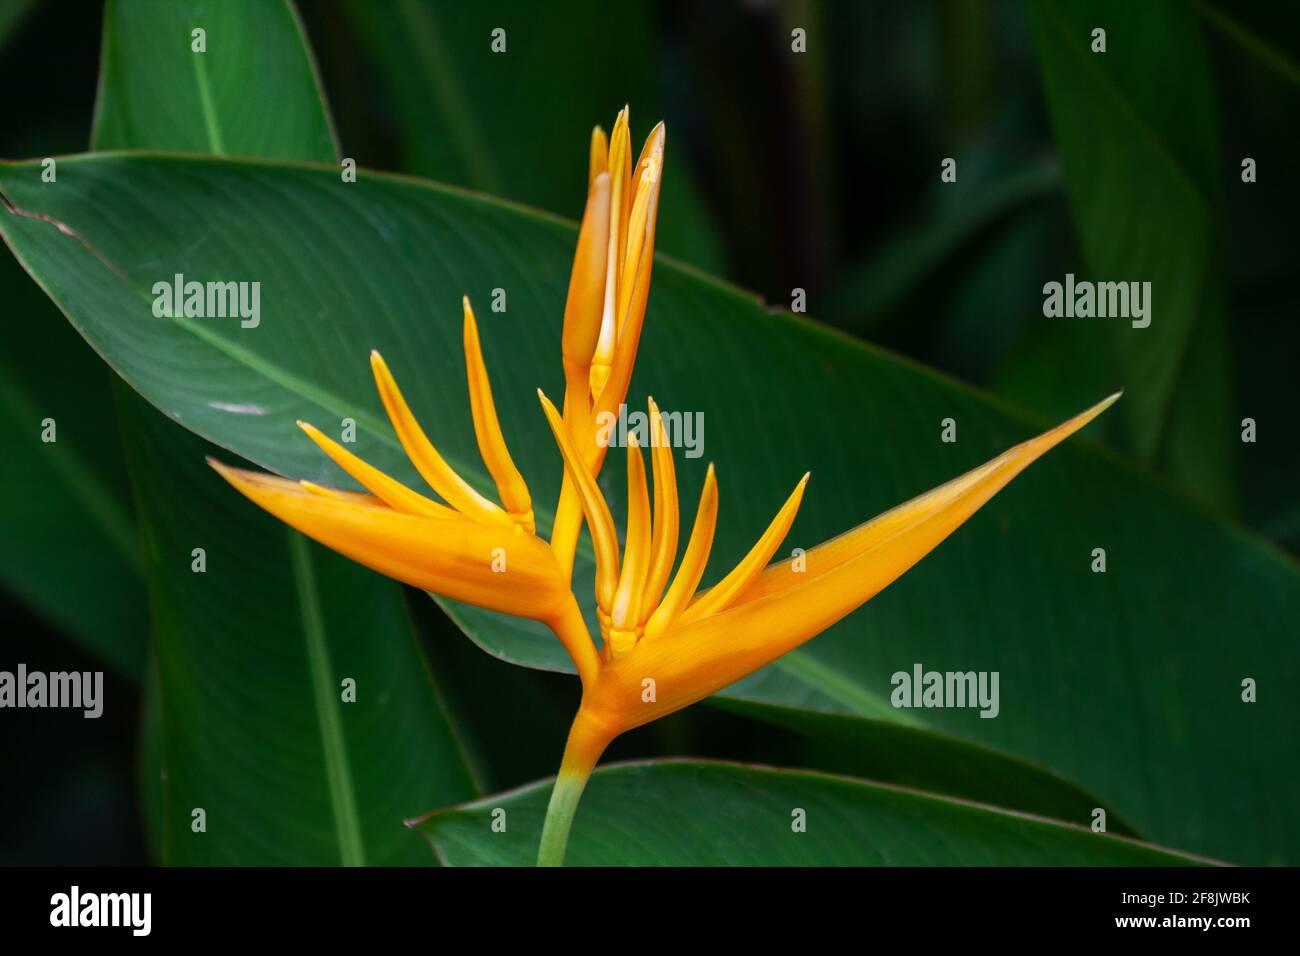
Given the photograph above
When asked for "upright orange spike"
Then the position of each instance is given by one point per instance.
(663, 548)
(625, 614)
(693, 561)
(388, 490)
(487, 429)
(743, 575)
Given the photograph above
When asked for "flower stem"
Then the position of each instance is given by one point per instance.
(559, 818)
(588, 739)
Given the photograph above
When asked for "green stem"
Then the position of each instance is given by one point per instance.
(559, 817)
(588, 738)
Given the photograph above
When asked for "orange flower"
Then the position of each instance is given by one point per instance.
(663, 652)
(665, 645)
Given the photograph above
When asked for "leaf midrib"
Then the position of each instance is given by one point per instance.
(338, 772)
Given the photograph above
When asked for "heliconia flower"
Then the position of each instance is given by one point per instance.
(665, 643)
(664, 651)
(470, 548)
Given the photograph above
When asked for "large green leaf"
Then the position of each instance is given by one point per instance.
(1138, 138)
(1127, 682)
(679, 813)
(252, 653)
(890, 751)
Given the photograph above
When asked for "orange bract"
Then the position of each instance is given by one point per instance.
(664, 645)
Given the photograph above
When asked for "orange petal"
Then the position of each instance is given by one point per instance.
(583, 310)
(441, 477)
(489, 566)
(392, 492)
(625, 613)
(598, 160)
(693, 561)
(667, 522)
(751, 566)
(487, 428)
(604, 537)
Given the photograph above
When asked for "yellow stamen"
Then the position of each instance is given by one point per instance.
(487, 428)
(431, 466)
(693, 561)
(721, 595)
(390, 491)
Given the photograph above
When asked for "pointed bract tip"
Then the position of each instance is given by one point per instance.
(220, 467)
(1104, 404)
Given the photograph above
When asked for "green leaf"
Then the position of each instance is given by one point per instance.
(254, 651)
(682, 813)
(253, 92)
(149, 766)
(1139, 145)
(890, 751)
(1127, 683)
(1262, 50)
(12, 17)
(69, 548)
(516, 124)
